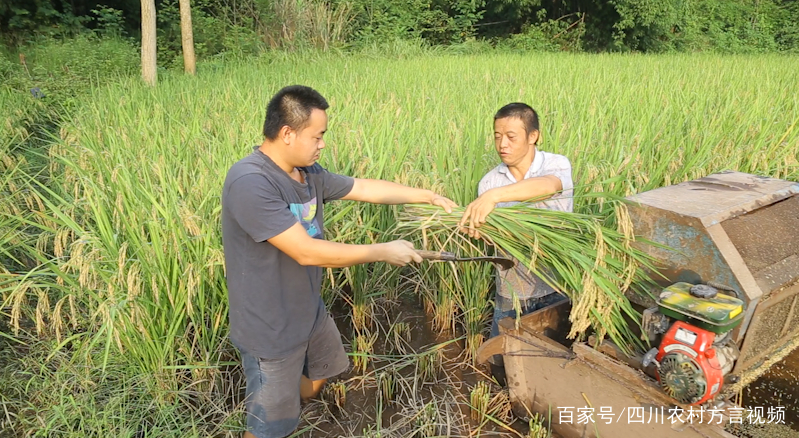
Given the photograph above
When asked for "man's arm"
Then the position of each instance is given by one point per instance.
(377, 191)
(540, 187)
(264, 215)
(307, 251)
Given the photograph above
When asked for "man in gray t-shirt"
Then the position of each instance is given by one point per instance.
(525, 173)
(273, 236)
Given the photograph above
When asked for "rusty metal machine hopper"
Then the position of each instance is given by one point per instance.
(735, 229)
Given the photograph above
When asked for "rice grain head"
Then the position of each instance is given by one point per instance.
(122, 261)
(43, 242)
(191, 289)
(58, 321)
(155, 291)
(60, 242)
(42, 309)
(624, 224)
(73, 312)
(134, 282)
(190, 221)
(19, 299)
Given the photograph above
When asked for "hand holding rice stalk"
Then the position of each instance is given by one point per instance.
(577, 254)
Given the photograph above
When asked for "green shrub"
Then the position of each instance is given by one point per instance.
(63, 69)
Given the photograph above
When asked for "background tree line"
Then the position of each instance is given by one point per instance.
(251, 26)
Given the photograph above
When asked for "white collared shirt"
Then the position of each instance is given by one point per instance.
(544, 163)
(520, 280)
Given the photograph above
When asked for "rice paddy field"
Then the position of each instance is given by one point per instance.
(113, 319)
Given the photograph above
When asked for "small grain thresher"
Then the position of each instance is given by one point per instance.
(724, 311)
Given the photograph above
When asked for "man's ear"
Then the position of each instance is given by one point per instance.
(286, 134)
(533, 137)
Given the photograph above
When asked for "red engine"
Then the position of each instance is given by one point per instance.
(689, 369)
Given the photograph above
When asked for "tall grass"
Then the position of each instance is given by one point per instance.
(127, 256)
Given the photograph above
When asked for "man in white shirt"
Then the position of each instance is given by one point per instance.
(525, 173)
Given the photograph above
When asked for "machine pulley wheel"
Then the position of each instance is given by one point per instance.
(682, 378)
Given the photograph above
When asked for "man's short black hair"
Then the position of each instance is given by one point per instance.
(521, 111)
(292, 107)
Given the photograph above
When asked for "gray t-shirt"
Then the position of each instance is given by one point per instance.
(274, 301)
(520, 280)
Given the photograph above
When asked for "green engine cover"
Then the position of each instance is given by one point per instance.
(719, 314)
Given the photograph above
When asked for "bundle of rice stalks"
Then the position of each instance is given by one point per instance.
(588, 258)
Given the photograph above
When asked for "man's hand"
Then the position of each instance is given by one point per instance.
(443, 202)
(476, 214)
(399, 253)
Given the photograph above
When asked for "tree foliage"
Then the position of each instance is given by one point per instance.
(246, 26)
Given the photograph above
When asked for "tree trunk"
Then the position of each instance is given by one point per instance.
(148, 48)
(189, 62)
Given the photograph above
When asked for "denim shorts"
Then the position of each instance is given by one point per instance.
(273, 384)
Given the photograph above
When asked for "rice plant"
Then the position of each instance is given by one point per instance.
(386, 385)
(428, 365)
(337, 391)
(480, 397)
(363, 347)
(537, 428)
(427, 420)
(399, 336)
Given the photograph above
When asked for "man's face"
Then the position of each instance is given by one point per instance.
(308, 143)
(512, 141)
